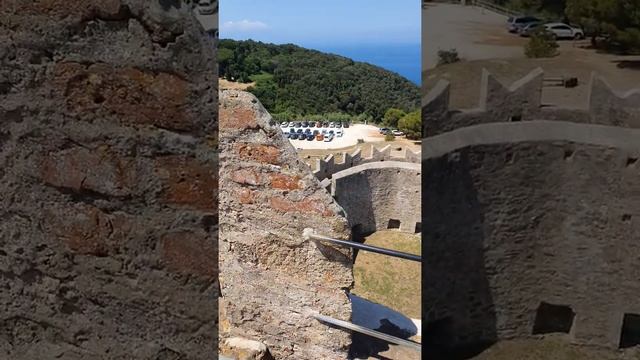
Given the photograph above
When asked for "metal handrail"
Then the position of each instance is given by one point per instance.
(308, 234)
(372, 333)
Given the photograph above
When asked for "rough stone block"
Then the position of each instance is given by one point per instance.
(131, 96)
(285, 182)
(267, 154)
(80, 169)
(189, 252)
(188, 182)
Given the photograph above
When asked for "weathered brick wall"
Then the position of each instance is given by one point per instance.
(271, 278)
(108, 180)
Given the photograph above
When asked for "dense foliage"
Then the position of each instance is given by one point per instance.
(392, 116)
(292, 82)
(411, 125)
(541, 45)
(617, 20)
(448, 56)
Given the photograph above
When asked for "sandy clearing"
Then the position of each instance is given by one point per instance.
(232, 85)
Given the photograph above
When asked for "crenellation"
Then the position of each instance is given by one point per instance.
(521, 101)
(327, 167)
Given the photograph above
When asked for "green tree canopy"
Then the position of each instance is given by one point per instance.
(619, 20)
(392, 116)
(411, 125)
(290, 79)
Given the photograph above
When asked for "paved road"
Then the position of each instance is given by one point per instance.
(477, 34)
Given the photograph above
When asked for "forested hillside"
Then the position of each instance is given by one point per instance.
(292, 81)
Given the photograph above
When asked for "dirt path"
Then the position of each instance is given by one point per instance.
(474, 33)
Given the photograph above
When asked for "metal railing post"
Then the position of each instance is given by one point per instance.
(369, 332)
(309, 234)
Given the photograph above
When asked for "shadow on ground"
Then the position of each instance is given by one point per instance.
(380, 318)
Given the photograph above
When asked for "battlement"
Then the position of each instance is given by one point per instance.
(326, 167)
(522, 101)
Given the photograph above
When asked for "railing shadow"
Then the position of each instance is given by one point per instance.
(380, 318)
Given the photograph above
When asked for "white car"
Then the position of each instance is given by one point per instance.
(564, 31)
(284, 124)
(292, 124)
(328, 138)
(207, 7)
(397, 132)
(339, 133)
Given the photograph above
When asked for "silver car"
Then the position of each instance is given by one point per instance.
(514, 24)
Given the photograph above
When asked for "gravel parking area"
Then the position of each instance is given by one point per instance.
(368, 133)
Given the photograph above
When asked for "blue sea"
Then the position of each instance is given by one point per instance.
(403, 59)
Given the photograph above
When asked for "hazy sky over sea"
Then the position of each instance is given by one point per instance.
(325, 22)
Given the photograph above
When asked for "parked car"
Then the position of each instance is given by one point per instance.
(325, 124)
(332, 124)
(564, 31)
(397, 132)
(530, 29)
(324, 131)
(320, 137)
(383, 130)
(284, 124)
(294, 136)
(207, 7)
(519, 22)
(305, 124)
(318, 124)
(310, 137)
(339, 133)
(316, 132)
(292, 124)
(345, 124)
(328, 138)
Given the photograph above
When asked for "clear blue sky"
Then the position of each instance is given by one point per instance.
(319, 23)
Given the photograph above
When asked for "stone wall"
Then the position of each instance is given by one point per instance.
(325, 168)
(521, 102)
(374, 193)
(514, 225)
(272, 279)
(108, 210)
(521, 213)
